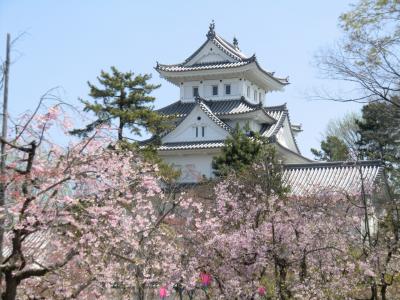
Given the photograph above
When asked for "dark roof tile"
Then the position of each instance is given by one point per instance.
(191, 145)
(218, 107)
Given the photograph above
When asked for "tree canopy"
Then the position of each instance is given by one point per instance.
(368, 55)
(332, 149)
(124, 98)
(379, 130)
(239, 151)
(374, 135)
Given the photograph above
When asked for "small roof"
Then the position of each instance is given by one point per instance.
(222, 108)
(340, 177)
(183, 111)
(204, 66)
(211, 115)
(219, 108)
(192, 145)
(235, 59)
(279, 113)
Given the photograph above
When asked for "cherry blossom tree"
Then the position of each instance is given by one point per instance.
(90, 221)
(258, 241)
(85, 221)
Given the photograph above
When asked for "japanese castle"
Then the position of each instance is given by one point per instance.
(221, 87)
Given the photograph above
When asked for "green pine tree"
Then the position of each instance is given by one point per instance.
(125, 99)
(379, 130)
(332, 149)
(240, 150)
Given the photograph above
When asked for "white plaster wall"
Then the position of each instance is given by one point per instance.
(285, 137)
(255, 126)
(186, 131)
(187, 90)
(193, 167)
(205, 89)
(208, 84)
(253, 88)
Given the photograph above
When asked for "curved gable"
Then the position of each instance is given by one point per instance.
(285, 136)
(200, 117)
(208, 53)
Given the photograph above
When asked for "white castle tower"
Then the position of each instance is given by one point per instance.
(219, 88)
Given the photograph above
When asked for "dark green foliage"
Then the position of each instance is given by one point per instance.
(379, 130)
(123, 98)
(376, 135)
(239, 151)
(332, 149)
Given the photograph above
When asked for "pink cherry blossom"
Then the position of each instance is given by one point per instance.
(205, 279)
(163, 292)
(84, 217)
(261, 291)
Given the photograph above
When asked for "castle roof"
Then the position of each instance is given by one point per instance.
(233, 59)
(339, 177)
(222, 109)
(192, 145)
(204, 66)
(219, 108)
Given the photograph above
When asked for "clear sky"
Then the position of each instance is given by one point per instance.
(69, 42)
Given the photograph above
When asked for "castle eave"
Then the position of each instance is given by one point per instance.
(248, 69)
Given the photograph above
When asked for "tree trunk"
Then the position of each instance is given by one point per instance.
(191, 294)
(207, 296)
(140, 292)
(303, 267)
(383, 292)
(139, 284)
(120, 129)
(10, 292)
(282, 282)
(179, 289)
(374, 292)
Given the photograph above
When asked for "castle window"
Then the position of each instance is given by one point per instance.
(255, 95)
(215, 90)
(227, 89)
(248, 92)
(259, 96)
(197, 131)
(195, 91)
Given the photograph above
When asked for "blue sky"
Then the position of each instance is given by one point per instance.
(69, 42)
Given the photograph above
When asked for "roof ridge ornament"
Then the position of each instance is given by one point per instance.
(211, 31)
(235, 43)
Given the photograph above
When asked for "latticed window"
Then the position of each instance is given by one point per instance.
(195, 91)
(215, 90)
(227, 89)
